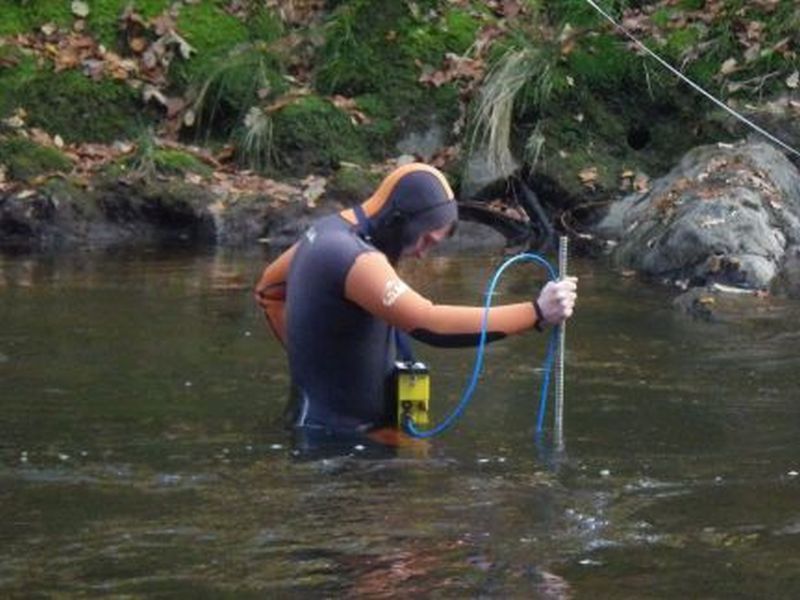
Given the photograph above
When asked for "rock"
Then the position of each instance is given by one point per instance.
(423, 144)
(726, 213)
(480, 173)
(718, 303)
(474, 236)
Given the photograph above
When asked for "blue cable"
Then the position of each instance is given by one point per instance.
(456, 413)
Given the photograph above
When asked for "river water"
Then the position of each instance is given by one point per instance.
(142, 451)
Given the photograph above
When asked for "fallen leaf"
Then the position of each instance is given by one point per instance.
(314, 189)
(189, 118)
(728, 67)
(348, 105)
(641, 183)
(137, 44)
(454, 67)
(793, 80)
(588, 177)
(15, 122)
(48, 29)
(752, 53)
(80, 9)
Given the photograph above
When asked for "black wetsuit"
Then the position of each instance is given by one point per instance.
(340, 356)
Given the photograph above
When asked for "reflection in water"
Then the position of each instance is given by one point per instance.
(143, 452)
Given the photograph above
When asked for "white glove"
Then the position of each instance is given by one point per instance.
(557, 300)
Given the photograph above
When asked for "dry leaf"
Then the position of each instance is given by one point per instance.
(314, 189)
(728, 67)
(641, 183)
(793, 80)
(137, 44)
(752, 53)
(189, 118)
(80, 9)
(588, 177)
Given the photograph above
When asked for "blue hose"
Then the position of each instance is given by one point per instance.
(466, 397)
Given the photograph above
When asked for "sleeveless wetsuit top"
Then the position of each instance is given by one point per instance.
(340, 356)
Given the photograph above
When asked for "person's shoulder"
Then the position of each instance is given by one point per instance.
(335, 231)
(335, 244)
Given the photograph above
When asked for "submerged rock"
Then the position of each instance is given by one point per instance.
(720, 303)
(726, 213)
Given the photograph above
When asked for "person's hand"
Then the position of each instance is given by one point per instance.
(557, 300)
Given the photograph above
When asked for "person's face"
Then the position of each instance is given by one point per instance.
(427, 241)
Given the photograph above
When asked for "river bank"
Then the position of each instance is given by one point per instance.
(230, 122)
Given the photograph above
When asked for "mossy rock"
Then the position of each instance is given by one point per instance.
(313, 133)
(616, 134)
(149, 162)
(25, 160)
(176, 162)
(77, 108)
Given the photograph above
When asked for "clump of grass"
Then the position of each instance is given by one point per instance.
(257, 148)
(520, 73)
(244, 77)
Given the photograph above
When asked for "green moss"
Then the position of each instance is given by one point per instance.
(212, 32)
(681, 40)
(79, 109)
(312, 133)
(370, 52)
(150, 160)
(176, 162)
(661, 17)
(602, 62)
(25, 159)
(381, 131)
(20, 16)
(14, 79)
(103, 19)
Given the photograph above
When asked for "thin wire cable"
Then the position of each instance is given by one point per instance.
(456, 413)
(697, 87)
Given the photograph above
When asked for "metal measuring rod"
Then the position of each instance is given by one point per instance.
(563, 243)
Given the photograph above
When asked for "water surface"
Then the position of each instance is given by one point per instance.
(142, 451)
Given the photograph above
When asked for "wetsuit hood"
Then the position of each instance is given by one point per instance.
(411, 201)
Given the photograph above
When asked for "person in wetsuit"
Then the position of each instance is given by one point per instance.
(335, 300)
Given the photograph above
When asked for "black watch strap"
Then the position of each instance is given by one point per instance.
(539, 325)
